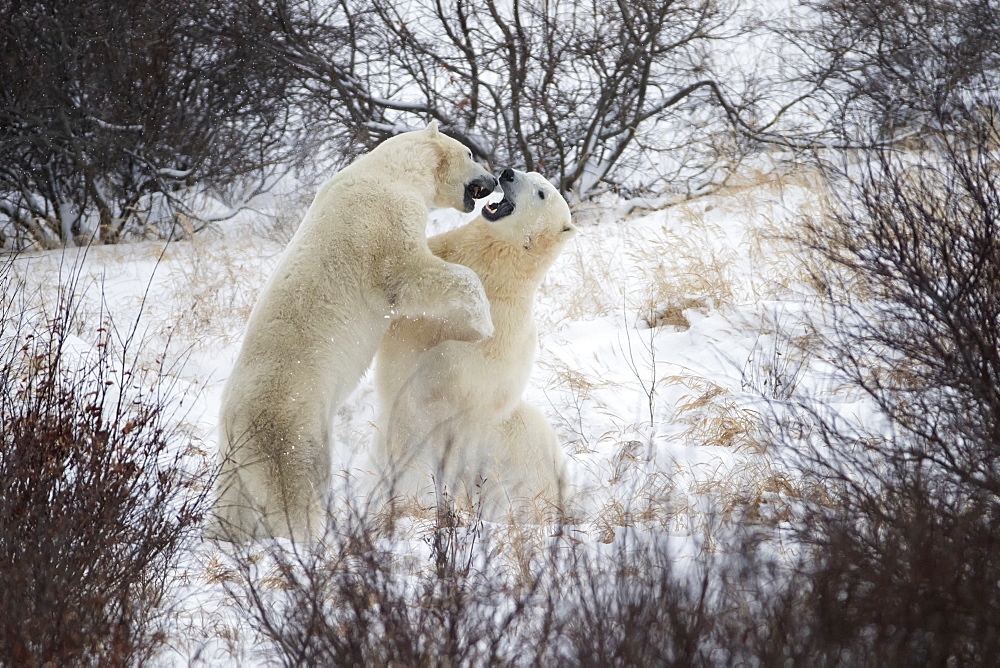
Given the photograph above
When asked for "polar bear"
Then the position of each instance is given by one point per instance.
(451, 411)
(358, 259)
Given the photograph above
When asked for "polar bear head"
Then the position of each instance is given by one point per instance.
(532, 213)
(429, 154)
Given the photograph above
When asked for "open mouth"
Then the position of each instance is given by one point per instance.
(494, 211)
(478, 189)
(478, 192)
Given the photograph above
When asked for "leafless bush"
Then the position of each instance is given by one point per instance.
(96, 501)
(633, 606)
(114, 114)
(579, 91)
(899, 579)
(480, 599)
(900, 563)
(918, 233)
(893, 66)
(350, 600)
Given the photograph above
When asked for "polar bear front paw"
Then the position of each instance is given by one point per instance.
(472, 320)
(449, 293)
(481, 322)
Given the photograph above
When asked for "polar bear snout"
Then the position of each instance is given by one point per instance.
(502, 208)
(482, 186)
(478, 188)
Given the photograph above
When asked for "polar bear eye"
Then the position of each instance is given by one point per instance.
(541, 194)
(469, 151)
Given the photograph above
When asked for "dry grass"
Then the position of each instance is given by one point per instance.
(693, 263)
(583, 282)
(576, 391)
(710, 415)
(520, 545)
(680, 268)
(750, 491)
(279, 223)
(647, 497)
(671, 312)
(212, 292)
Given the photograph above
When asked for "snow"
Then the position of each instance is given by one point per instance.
(663, 347)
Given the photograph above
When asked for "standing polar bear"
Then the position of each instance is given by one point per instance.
(358, 259)
(451, 411)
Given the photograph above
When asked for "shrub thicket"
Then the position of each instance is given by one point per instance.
(578, 91)
(905, 561)
(898, 67)
(114, 114)
(96, 500)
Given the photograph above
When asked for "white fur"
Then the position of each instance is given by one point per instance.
(451, 411)
(358, 259)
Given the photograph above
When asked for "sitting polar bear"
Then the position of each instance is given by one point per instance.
(451, 412)
(358, 259)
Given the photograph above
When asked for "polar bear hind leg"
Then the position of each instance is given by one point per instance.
(268, 490)
(528, 466)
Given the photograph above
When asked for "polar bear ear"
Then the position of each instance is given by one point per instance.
(432, 127)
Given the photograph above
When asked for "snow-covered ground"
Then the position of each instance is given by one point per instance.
(664, 344)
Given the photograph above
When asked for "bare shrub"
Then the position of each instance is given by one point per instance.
(96, 501)
(581, 91)
(114, 115)
(349, 600)
(901, 561)
(775, 365)
(894, 66)
(484, 597)
(634, 607)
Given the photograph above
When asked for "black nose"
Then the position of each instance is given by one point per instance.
(507, 175)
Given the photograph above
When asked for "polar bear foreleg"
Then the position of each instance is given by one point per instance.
(441, 290)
